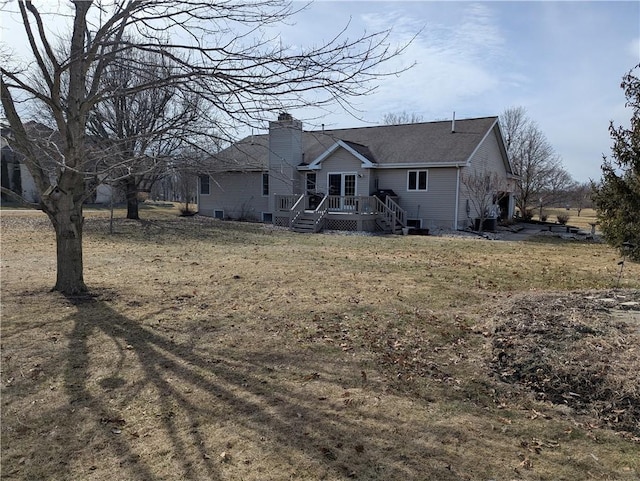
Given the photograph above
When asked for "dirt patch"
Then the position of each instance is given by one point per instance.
(579, 350)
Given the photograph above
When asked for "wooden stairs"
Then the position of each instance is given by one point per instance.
(308, 222)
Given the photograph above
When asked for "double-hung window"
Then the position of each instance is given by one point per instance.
(205, 188)
(417, 180)
(265, 183)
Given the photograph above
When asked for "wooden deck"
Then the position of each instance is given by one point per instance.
(313, 213)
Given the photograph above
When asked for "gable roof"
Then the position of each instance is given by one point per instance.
(360, 152)
(428, 144)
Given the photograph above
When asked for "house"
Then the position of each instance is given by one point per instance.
(16, 176)
(379, 178)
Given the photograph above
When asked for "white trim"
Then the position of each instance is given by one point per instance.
(503, 146)
(366, 163)
(420, 165)
(418, 189)
(342, 174)
(479, 144)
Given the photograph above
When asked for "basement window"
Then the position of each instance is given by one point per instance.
(218, 214)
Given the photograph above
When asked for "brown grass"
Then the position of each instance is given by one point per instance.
(581, 221)
(222, 351)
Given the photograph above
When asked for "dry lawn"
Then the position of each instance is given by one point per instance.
(222, 351)
(581, 221)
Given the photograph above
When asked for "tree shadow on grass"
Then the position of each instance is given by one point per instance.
(154, 409)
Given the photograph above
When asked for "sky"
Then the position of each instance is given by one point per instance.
(562, 61)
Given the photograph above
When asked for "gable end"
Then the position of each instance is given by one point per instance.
(317, 162)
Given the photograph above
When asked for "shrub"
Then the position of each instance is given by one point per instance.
(186, 211)
(563, 218)
(528, 214)
(544, 217)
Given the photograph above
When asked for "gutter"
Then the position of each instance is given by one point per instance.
(420, 165)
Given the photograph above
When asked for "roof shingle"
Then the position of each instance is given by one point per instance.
(427, 142)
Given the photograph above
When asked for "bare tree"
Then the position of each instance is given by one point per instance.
(215, 52)
(401, 118)
(140, 132)
(484, 191)
(580, 195)
(534, 160)
(558, 189)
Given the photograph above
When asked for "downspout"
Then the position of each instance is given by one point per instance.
(197, 195)
(455, 214)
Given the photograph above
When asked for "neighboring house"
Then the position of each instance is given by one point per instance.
(371, 178)
(16, 176)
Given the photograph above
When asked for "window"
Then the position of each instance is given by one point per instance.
(267, 217)
(205, 188)
(311, 182)
(218, 214)
(265, 183)
(417, 180)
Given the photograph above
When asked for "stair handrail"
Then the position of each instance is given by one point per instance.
(320, 213)
(386, 213)
(400, 213)
(297, 210)
(382, 208)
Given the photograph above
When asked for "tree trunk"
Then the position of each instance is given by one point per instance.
(68, 222)
(132, 199)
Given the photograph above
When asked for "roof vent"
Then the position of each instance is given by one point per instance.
(453, 123)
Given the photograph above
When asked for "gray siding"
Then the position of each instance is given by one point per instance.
(487, 158)
(238, 194)
(343, 161)
(435, 207)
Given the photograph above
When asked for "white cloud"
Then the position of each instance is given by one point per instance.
(453, 62)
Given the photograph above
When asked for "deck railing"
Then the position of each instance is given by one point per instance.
(286, 202)
(355, 204)
(295, 205)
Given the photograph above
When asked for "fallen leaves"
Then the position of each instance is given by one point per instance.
(570, 351)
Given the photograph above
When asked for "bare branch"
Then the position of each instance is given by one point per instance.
(21, 200)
